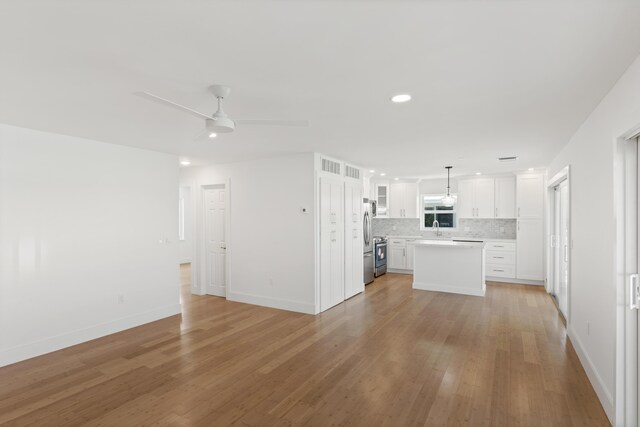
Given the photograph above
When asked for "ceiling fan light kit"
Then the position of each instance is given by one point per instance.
(219, 122)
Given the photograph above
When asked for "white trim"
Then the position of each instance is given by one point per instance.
(563, 175)
(626, 375)
(605, 396)
(58, 342)
(450, 289)
(279, 303)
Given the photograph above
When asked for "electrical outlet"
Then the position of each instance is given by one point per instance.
(120, 298)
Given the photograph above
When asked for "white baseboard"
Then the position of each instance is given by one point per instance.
(516, 281)
(605, 396)
(68, 339)
(446, 288)
(398, 271)
(280, 303)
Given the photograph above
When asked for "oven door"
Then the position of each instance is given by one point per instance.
(381, 255)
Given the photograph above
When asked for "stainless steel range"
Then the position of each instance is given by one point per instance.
(380, 254)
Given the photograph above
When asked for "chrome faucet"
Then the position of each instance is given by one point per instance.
(436, 225)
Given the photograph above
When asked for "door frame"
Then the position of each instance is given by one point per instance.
(199, 264)
(626, 375)
(563, 175)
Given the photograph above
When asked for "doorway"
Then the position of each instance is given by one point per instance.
(215, 239)
(560, 246)
(629, 265)
(560, 241)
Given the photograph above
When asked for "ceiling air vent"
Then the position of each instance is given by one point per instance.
(352, 172)
(508, 159)
(330, 166)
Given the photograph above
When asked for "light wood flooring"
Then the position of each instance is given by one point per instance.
(389, 357)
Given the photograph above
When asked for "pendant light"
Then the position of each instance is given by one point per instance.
(448, 200)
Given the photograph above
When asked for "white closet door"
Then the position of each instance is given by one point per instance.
(353, 255)
(331, 243)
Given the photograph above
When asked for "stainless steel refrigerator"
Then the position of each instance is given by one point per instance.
(369, 260)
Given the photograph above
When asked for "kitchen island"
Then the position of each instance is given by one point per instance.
(449, 266)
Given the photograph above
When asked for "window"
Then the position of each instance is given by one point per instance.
(433, 209)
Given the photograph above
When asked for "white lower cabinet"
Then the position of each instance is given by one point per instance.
(401, 254)
(530, 251)
(500, 260)
(397, 254)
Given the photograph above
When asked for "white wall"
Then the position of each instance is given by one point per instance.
(186, 246)
(437, 186)
(271, 249)
(80, 224)
(590, 154)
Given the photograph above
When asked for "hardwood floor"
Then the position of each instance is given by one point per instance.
(390, 357)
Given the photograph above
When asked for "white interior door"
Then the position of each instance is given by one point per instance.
(215, 240)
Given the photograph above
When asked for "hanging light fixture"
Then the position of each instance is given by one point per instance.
(448, 200)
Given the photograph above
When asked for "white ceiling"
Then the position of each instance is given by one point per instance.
(489, 78)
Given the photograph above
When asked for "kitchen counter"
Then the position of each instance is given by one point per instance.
(448, 266)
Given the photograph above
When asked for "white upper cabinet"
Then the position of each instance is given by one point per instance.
(403, 200)
(476, 198)
(530, 196)
(487, 197)
(465, 204)
(505, 196)
(484, 198)
(381, 196)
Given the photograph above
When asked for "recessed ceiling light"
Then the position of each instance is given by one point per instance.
(185, 162)
(530, 169)
(382, 174)
(396, 178)
(403, 97)
(213, 135)
(478, 173)
(371, 171)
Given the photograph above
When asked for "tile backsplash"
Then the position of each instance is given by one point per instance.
(479, 228)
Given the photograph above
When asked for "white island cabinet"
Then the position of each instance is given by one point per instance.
(449, 266)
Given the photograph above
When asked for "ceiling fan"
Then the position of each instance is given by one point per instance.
(219, 122)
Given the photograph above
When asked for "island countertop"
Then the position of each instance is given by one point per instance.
(448, 243)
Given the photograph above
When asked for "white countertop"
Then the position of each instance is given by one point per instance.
(449, 243)
(448, 239)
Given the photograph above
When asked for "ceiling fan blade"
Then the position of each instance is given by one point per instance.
(179, 107)
(295, 123)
